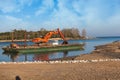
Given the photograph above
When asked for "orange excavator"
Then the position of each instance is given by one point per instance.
(48, 35)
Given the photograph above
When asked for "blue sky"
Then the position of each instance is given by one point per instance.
(98, 17)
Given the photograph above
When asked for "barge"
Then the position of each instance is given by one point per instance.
(50, 48)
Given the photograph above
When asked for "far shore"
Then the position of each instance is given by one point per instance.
(22, 40)
(14, 40)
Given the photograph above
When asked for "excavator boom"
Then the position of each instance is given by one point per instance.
(48, 35)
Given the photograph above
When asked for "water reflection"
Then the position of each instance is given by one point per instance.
(46, 56)
(36, 56)
(65, 54)
(13, 56)
(41, 57)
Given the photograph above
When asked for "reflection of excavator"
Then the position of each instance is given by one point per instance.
(48, 35)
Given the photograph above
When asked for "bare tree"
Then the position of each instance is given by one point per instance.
(75, 32)
(84, 34)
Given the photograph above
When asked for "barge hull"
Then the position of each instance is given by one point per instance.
(45, 49)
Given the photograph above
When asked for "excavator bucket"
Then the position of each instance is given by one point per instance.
(65, 42)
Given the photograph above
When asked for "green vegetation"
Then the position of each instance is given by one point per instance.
(72, 33)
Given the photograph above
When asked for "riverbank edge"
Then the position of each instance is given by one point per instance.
(64, 61)
(82, 67)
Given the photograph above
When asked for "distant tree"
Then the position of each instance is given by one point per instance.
(19, 34)
(42, 32)
(75, 33)
(84, 34)
(5, 36)
(71, 33)
(67, 33)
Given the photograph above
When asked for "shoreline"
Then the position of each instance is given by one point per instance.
(63, 61)
(103, 63)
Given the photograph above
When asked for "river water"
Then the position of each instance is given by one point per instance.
(19, 57)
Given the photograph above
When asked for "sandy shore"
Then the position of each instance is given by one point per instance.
(101, 70)
(78, 71)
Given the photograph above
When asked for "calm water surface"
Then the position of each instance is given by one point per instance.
(53, 55)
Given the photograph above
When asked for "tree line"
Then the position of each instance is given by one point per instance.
(72, 33)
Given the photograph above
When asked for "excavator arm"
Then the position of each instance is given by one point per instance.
(45, 38)
(62, 36)
(48, 35)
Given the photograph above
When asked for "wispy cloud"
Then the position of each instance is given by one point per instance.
(45, 7)
(63, 17)
(102, 17)
(9, 23)
(98, 16)
(25, 2)
(9, 6)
